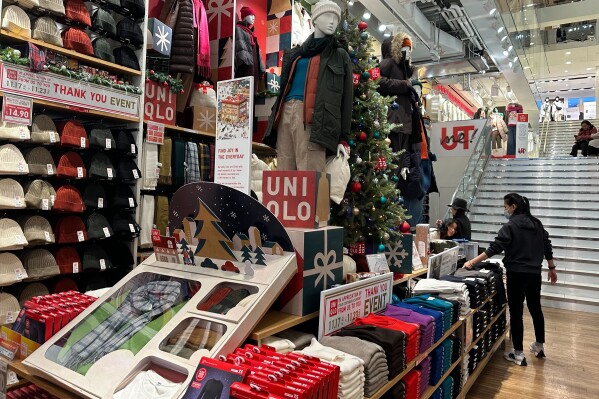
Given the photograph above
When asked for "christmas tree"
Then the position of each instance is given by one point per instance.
(370, 210)
(259, 257)
(213, 241)
(246, 254)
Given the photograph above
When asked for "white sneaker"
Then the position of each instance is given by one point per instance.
(537, 349)
(520, 360)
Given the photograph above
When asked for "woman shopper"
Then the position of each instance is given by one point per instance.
(459, 207)
(583, 138)
(525, 242)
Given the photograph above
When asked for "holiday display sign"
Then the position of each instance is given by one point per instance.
(162, 37)
(399, 254)
(160, 103)
(297, 198)
(457, 138)
(522, 136)
(444, 263)
(320, 266)
(17, 109)
(155, 133)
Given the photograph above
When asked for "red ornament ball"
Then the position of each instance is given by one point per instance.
(356, 187)
(405, 227)
(362, 25)
(362, 136)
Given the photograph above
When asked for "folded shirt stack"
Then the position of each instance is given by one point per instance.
(412, 383)
(376, 372)
(425, 373)
(456, 374)
(279, 344)
(465, 368)
(425, 322)
(300, 339)
(431, 302)
(446, 290)
(445, 390)
(437, 356)
(411, 330)
(398, 391)
(351, 376)
(487, 275)
(393, 343)
(435, 314)
(447, 354)
(477, 288)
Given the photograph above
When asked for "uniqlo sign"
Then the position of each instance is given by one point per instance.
(456, 139)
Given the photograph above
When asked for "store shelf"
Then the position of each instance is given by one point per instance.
(275, 321)
(432, 388)
(472, 377)
(54, 389)
(86, 111)
(88, 60)
(484, 303)
(482, 334)
(407, 277)
(415, 362)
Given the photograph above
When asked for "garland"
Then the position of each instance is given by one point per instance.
(96, 79)
(13, 56)
(176, 85)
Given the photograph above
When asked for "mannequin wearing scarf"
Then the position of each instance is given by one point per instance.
(248, 58)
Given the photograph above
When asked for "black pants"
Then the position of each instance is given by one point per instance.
(582, 145)
(527, 286)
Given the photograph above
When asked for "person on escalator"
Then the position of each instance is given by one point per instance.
(583, 138)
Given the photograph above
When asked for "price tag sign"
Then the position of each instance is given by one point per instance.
(108, 144)
(75, 267)
(45, 204)
(131, 227)
(18, 202)
(106, 232)
(50, 169)
(131, 202)
(135, 174)
(79, 172)
(102, 264)
(20, 240)
(52, 137)
(83, 142)
(17, 109)
(109, 173)
(100, 202)
(52, 199)
(80, 236)
(47, 236)
(21, 167)
(19, 274)
(154, 134)
(132, 148)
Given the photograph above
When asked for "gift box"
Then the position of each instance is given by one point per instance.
(423, 242)
(162, 37)
(204, 119)
(273, 82)
(319, 267)
(399, 254)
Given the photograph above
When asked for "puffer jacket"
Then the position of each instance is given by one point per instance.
(395, 82)
(247, 52)
(184, 44)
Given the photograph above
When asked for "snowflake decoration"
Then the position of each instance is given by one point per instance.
(274, 85)
(233, 215)
(273, 28)
(264, 237)
(266, 218)
(396, 254)
(207, 120)
(162, 35)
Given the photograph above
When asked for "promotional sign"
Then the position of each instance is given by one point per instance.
(155, 133)
(44, 86)
(522, 136)
(17, 109)
(234, 117)
(341, 306)
(159, 103)
(443, 264)
(457, 138)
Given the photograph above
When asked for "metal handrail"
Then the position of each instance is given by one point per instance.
(544, 134)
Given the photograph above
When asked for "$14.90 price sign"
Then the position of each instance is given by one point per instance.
(16, 109)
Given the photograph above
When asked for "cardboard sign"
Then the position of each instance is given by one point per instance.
(297, 198)
(456, 139)
(342, 305)
(155, 133)
(522, 136)
(444, 263)
(16, 109)
(82, 95)
(159, 103)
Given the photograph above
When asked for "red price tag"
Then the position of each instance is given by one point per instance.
(356, 79)
(375, 73)
(16, 109)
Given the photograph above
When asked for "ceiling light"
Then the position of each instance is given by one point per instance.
(526, 67)
(532, 44)
(382, 27)
(510, 48)
(387, 34)
(566, 71)
(515, 59)
(506, 53)
(589, 69)
(568, 52)
(366, 15)
(568, 62)
(510, 64)
(490, 7)
(350, 3)
(497, 26)
(503, 38)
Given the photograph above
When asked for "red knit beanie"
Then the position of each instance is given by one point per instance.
(245, 11)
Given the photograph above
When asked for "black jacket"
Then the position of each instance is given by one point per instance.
(248, 57)
(525, 245)
(464, 230)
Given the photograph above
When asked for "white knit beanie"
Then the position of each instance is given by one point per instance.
(9, 308)
(11, 269)
(39, 263)
(12, 161)
(43, 130)
(11, 194)
(11, 235)
(16, 20)
(37, 230)
(36, 192)
(45, 29)
(324, 6)
(14, 132)
(32, 290)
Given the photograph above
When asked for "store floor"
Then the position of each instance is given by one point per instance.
(571, 370)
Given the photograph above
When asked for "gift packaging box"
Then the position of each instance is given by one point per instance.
(273, 82)
(162, 37)
(423, 242)
(320, 266)
(204, 119)
(214, 378)
(399, 254)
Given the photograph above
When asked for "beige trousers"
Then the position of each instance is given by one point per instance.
(294, 149)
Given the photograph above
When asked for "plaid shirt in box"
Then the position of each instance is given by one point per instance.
(204, 150)
(139, 308)
(192, 163)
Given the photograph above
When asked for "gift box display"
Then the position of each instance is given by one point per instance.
(399, 254)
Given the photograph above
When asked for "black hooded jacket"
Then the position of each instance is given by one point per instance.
(464, 229)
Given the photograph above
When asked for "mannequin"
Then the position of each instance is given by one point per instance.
(557, 109)
(544, 110)
(511, 115)
(248, 58)
(313, 110)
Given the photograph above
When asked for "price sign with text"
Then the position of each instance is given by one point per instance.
(17, 109)
(155, 133)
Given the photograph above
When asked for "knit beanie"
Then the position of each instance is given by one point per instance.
(11, 235)
(76, 11)
(126, 142)
(12, 161)
(136, 8)
(73, 134)
(14, 132)
(32, 290)
(101, 167)
(11, 194)
(9, 308)
(37, 230)
(96, 258)
(39, 194)
(39, 263)
(43, 130)
(71, 165)
(103, 49)
(123, 197)
(64, 285)
(125, 224)
(76, 39)
(130, 30)
(15, 20)
(68, 260)
(324, 6)
(126, 57)
(101, 137)
(46, 30)
(55, 6)
(40, 162)
(70, 229)
(28, 4)
(245, 11)
(98, 227)
(68, 199)
(128, 170)
(94, 196)
(11, 269)
(120, 255)
(104, 22)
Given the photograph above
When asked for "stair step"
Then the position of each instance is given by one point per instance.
(570, 302)
(571, 289)
(566, 275)
(549, 200)
(554, 232)
(553, 225)
(564, 243)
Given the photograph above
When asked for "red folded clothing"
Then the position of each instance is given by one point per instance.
(412, 383)
(411, 330)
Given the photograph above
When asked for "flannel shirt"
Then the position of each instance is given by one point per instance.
(204, 150)
(192, 163)
(37, 58)
(141, 306)
(212, 151)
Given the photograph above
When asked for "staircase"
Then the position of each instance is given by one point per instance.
(560, 138)
(564, 195)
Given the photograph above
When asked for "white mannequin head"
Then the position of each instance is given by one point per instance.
(250, 19)
(248, 15)
(325, 24)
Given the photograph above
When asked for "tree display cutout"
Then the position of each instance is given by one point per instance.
(246, 254)
(213, 242)
(259, 258)
(248, 271)
(229, 267)
(209, 264)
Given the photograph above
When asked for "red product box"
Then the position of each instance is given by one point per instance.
(277, 388)
(213, 377)
(243, 391)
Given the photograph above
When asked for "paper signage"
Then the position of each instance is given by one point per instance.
(522, 136)
(154, 134)
(377, 263)
(234, 121)
(160, 103)
(444, 263)
(341, 306)
(457, 138)
(84, 96)
(17, 109)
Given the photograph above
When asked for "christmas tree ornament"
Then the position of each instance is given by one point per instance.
(345, 26)
(358, 160)
(356, 211)
(351, 143)
(350, 49)
(376, 135)
(362, 136)
(365, 76)
(394, 106)
(385, 177)
(405, 227)
(356, 187)
(373, 209)
(400, 200)
(364, 36)
(375, 180)
(362, 25)
(383, 199)
(395, 178)
(377, 124)
(388, 141)
(363, 97)
(381, 248)
(386, 236)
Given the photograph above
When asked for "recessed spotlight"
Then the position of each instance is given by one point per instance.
(566, 71)
(503, 38)
(532, 44)
(526, 67)
(568, 62)
(387, 34)
(510, 48)
(350, 3)
(506, 53)
(589, 69)
(510, 64)
(515, 59)
(366, 15)
(382, 27)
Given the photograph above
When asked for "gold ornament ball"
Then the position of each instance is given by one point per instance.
(388, 141)
(363, 96)
(356, 211)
